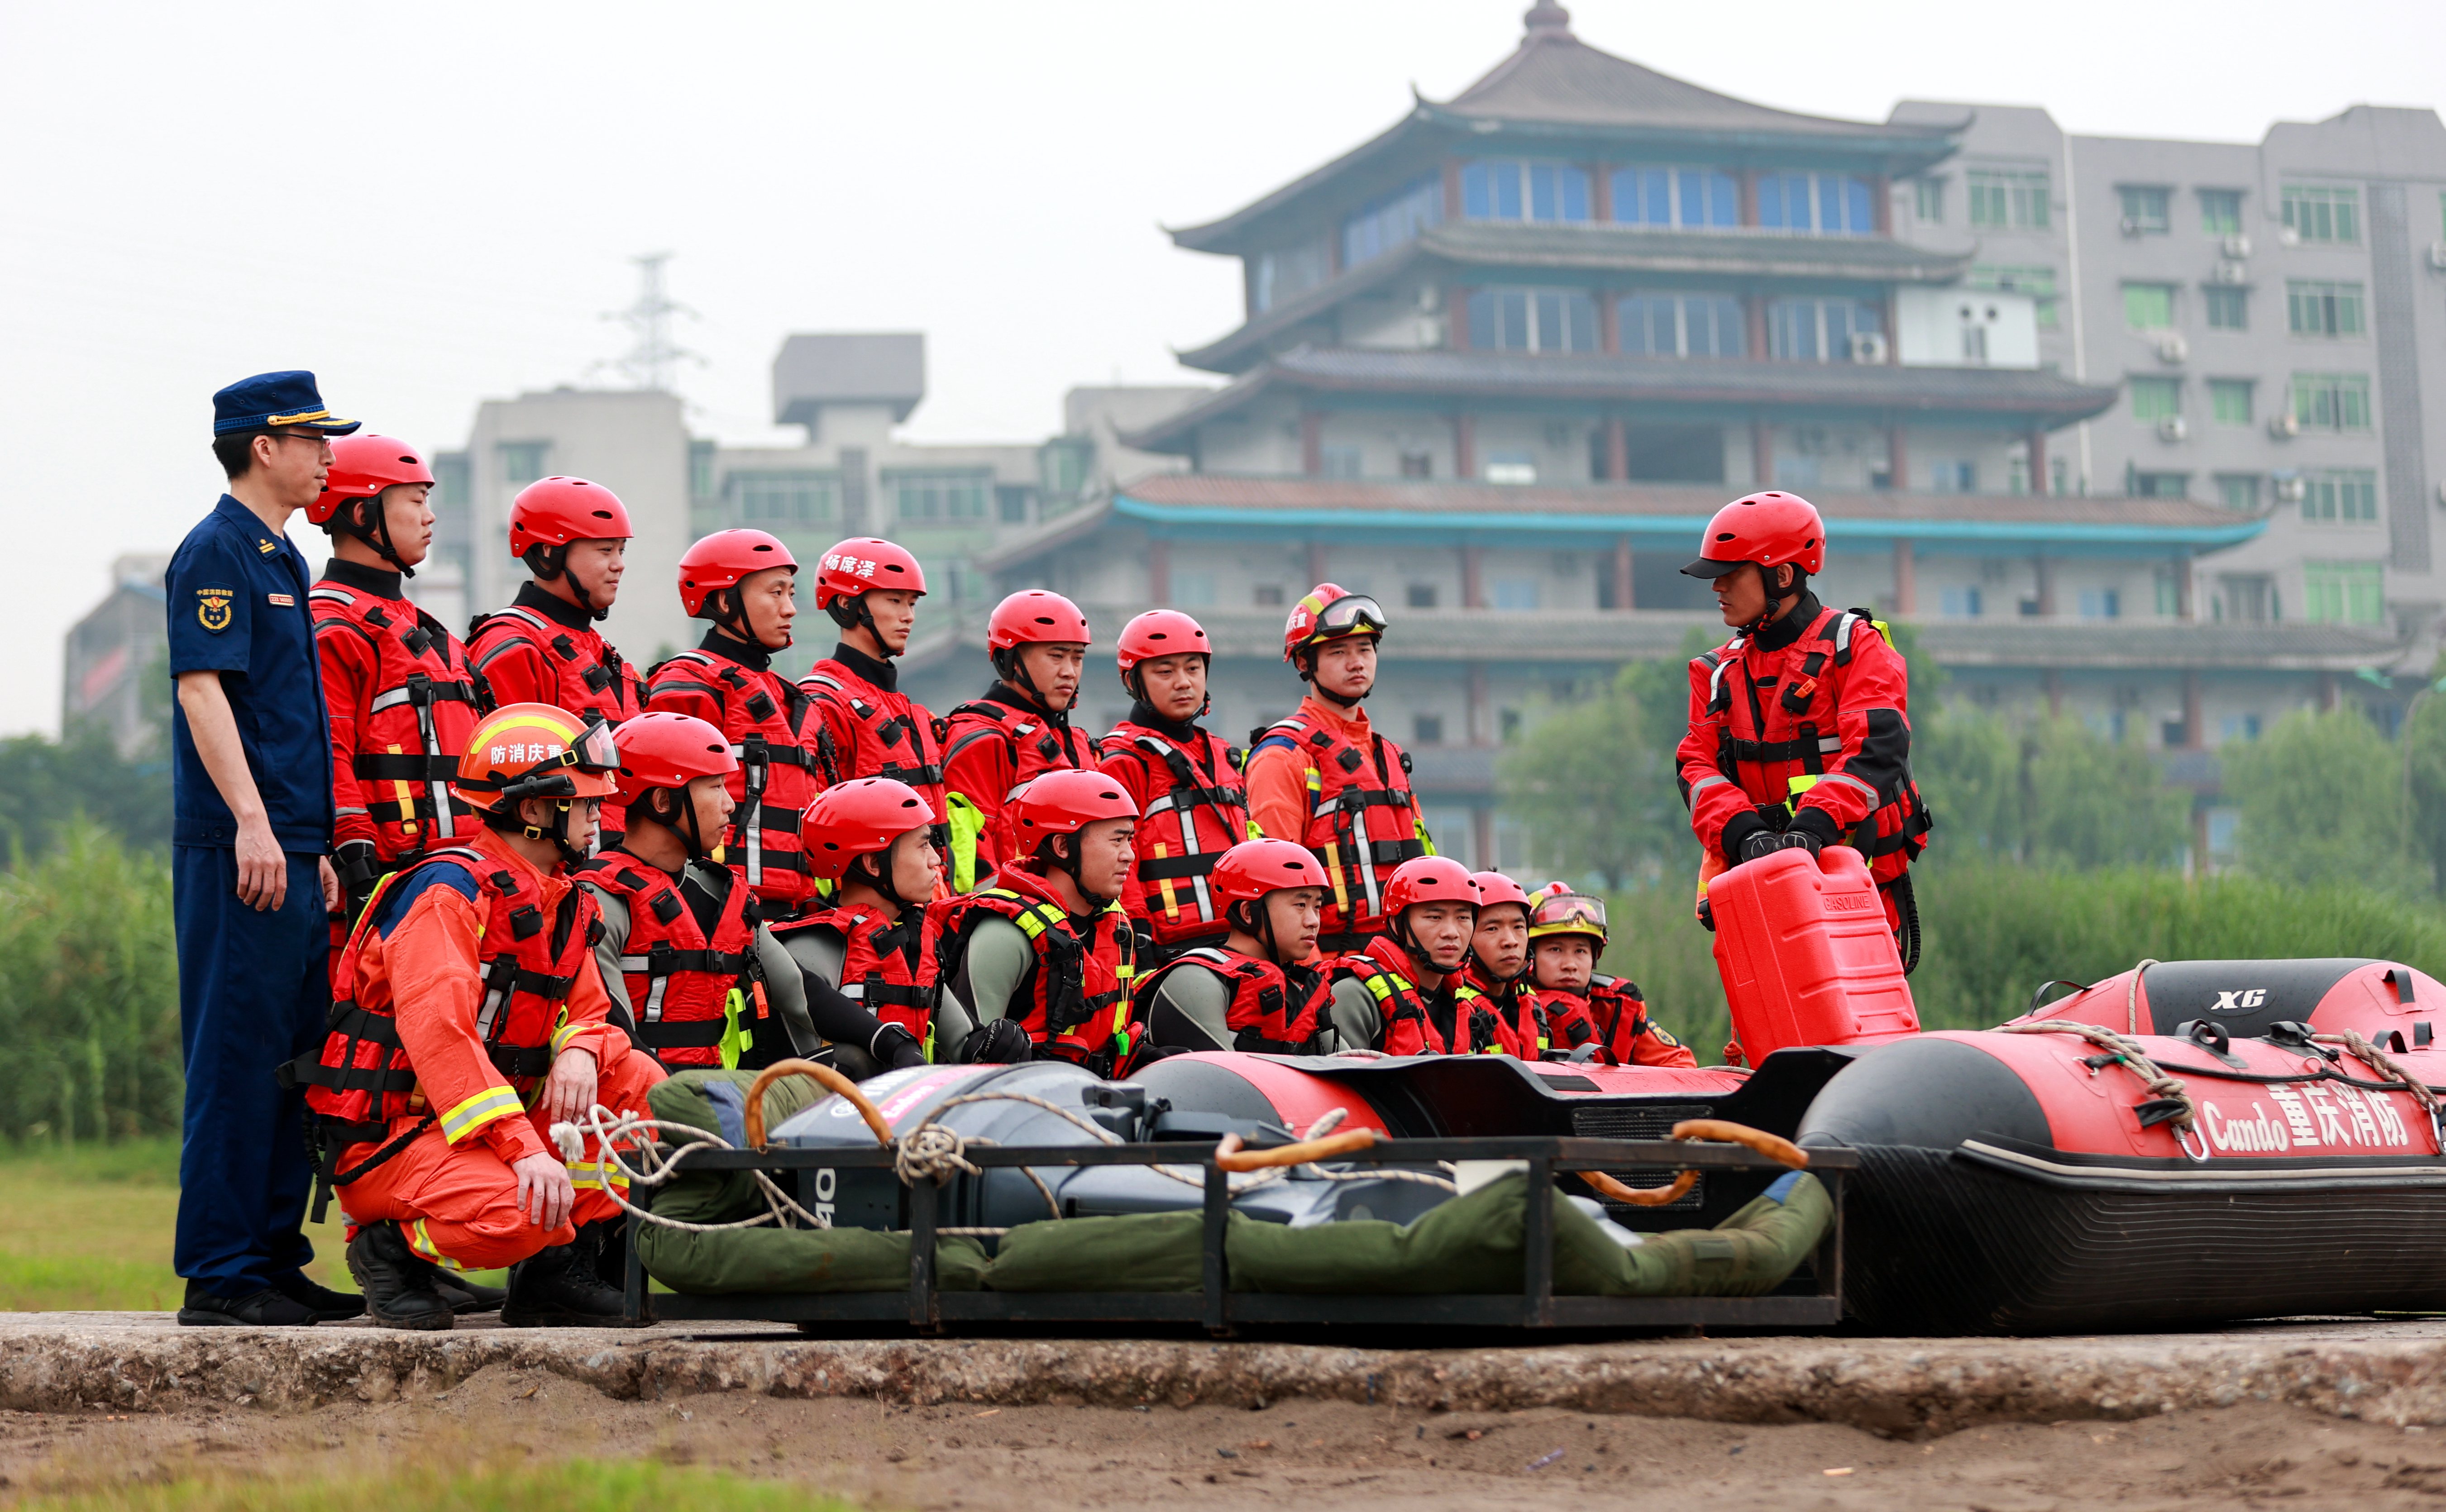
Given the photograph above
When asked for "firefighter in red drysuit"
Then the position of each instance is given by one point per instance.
(874, 951)
(475, 1019)
(1047, 946)
(871, 729)
(1185, 780)
(1407, 993)
(1257, 989)
(1498, 959)
(1325, 778)
(744, 581)
(399, 692)
(573, 536)
(695, 977)
(1580, 1010)
(996, 744)
(1800, 725)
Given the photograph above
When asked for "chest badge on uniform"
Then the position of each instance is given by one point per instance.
(213, 608)
(284, 601)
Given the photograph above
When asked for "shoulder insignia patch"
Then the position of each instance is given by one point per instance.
(213, 608)
(267, 547)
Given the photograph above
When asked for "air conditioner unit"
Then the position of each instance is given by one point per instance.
(2237, 246)
(2230, 272)
(1431, 298)
(2288, 236)
(2437, 256)
(1869, 346)
(2283, 426)
(2171, 347)
(2291, 488)
(2171, 429)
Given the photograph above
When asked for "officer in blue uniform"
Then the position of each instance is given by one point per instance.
(252, 882)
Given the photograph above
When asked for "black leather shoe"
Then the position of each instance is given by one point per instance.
(466, 1296)
(264, 1308)
(557, 1288)
(326, 1304)
(398, 1284)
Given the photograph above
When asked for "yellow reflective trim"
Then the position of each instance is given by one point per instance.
(1315, 780)
(583, 1173)
(567, 1031)
(421, 1244)
(966, 822)
(473, 1114)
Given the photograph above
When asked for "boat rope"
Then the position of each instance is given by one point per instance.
(2386, 1065)
(2132, 996)
(2172, 1100)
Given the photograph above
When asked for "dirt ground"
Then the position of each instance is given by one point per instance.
(1339, 1454)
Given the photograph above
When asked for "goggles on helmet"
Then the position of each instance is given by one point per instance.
(1568, 908)
(593, 749)
(1349, 614)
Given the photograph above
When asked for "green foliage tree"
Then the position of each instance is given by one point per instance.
(2323, 802)
(45, 785)
(2052, 793)
(1594, 781)
(88, 991)
(2424, 778)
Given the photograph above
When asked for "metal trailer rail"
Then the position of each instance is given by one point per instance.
(1219, 1309)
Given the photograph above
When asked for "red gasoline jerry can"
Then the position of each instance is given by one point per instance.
(1806, 954)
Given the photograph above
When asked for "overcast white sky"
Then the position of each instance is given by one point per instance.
(433, 204)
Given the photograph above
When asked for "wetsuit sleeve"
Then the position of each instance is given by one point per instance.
(348, 670)
(436, 987)
(609, 949)
(785, 992)
(1876, 736)
(995, 964)
(814, 960)
(514, 669)
(1191, 1011)
(1278, 793)
(1355, 1017)
(1714, 799)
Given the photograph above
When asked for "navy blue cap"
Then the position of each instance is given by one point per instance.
(269, 400)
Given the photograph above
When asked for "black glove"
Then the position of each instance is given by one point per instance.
(996, 1042)
(1740, 831)
(1814, 828)
(353, 860)
(1765, 843)
(896, 1048)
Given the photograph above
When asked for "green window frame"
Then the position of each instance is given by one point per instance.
(1928, 201)
(2145, 207)
(2227, 308)
(2332, 402)
(2238, 491)
(2221, 211)
(940, 499)
(783, 501)
(2229, 400)
(2149, 306)
(2037, 281)
(2343, 593)
(2324, 212)
(2154, 399)
(2318, 308)
(2341, 495)
(2004, 198)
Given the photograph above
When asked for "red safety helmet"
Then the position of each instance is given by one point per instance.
(1329, 612)
(1065, 802)
(853, 567)
(1161, 632)
(1033, 616)
(722, 559)
(1769, 529)
(1252, 868)
(1493, 887)
(362, 466)
(662, 749)
(557, 511)
(535, 750)
(858, 818)
(1428, 879)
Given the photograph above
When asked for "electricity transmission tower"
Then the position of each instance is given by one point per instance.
(653, 359)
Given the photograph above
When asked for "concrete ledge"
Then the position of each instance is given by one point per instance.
(2392, 1374)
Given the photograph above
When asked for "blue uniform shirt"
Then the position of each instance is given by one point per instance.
(237, 607)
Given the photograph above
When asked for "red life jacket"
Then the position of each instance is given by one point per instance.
(1362, 820)
(1032, 745)
(412, 720)
(772, 730)
(586, 675)
(1078, 993)
(688, 994)
(889, 966)
(1273, 1011)
(1406, 1023)
(1776, 719)
(1508, 1001)
(889, 736)
(1612, 1016)
(1194, 809)
(362, 1078)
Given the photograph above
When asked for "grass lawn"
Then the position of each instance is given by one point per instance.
(567, 1485)
(89, 1228)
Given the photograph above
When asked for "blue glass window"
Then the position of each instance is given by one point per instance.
(1675, 197)
(1817, 204)
(1390, 220)
(1818, 330)
(1532, 319)
(1500, 189)
(1681, 326)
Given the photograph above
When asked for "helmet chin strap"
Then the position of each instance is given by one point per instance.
(880, 878)
(1308, 674)
(1766, 616)
(1069, 865)
(376, 535)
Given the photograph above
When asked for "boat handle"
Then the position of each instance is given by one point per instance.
(1713, 1131)
(1232, 1156)
(822, 1076)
